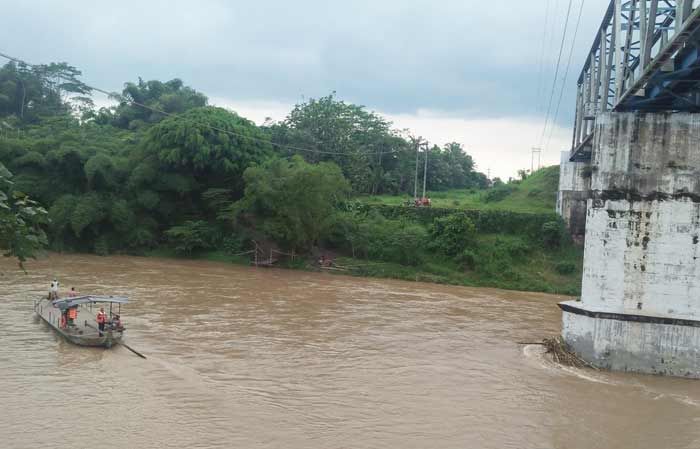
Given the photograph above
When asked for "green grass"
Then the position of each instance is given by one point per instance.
(536, 194)
(502, 260)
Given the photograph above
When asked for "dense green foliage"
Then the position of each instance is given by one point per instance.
(115, 190)
(373, 236)
(291, 201)
(494, 248)
(373, 157)
(192, 236)
(452, 234)
(552, 233)
(27, 94)
(21, 234)
(172, 97)
(164, 172)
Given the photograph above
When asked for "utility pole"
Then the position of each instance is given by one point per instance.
(415, 182)
(532, 159)
(425, 169)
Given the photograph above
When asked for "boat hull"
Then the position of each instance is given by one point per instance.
(83, 333)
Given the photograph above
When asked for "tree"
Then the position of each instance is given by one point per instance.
(184, 156)
(209, 142)
(171, 97)
(361, 143)
(293, 202)
(21, 220)
(32, 92)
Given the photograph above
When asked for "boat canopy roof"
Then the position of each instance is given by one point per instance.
(67, 303)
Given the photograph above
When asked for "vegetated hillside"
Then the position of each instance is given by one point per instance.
(518, 242)
(204, 182)
(494, 248)
(536, 194)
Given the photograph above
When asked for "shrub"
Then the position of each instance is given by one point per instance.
(376, 237)
(235, 244)
(486, 221)
(497, 255)
(553, 233)
(565, 268)
(511, 248)
(452, 234)
(396, 241)
(466, 259)
(499, 193)
(191, 236)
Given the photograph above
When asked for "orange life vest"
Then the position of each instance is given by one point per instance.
(73, 313)
(101, 317)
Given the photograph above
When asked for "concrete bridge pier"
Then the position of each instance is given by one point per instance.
(640, 304)
(572, 197)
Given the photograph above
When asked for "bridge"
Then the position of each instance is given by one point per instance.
(630, 191)
(645, 57)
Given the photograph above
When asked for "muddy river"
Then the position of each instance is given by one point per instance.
(254, 358)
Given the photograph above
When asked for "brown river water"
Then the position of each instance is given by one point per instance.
(253, 358)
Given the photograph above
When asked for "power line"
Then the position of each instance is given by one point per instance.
(556, 71)
(540, 72)
(121, 98)
(566, 73)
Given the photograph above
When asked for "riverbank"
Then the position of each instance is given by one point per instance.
(534, 272)
(507, 237)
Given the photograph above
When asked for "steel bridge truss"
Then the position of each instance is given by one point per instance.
(645, 57)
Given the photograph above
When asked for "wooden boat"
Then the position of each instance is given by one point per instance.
(83, 330)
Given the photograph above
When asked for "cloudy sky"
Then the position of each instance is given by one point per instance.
(464, 70)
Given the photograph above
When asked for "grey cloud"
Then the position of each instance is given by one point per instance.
(468, 58)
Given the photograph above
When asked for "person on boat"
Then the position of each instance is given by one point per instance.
(72, 316)
(72, 293)
(53, 292)
(116, 323)
(101, 320)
